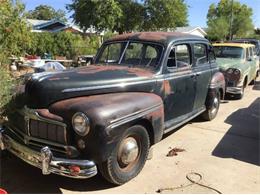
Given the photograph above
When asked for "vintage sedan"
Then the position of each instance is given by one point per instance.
(239, 64)
(106, 116)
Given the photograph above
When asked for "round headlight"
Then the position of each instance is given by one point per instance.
(236, 71)
(80, 123)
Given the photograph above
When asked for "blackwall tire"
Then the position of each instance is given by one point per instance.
(123, 165)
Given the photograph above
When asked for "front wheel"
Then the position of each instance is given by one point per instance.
(128, 157)
(212, 106)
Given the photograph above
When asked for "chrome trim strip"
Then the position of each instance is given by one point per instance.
(234, 90)
(184, 121)
(122, 120)
(27, 139)
(32, 114)
(122, 85)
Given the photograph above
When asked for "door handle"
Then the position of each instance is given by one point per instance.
(195, 75)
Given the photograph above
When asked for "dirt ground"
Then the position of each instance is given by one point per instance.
(225, 152)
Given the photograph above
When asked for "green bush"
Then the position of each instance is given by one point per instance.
(63, 44)
(6, 85)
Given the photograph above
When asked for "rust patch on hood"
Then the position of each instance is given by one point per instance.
(46, 113)
(148, 36)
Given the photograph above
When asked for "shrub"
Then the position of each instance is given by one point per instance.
(6, 85)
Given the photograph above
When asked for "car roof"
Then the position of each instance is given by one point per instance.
(246, 39)
(159, 37)
(243, 45)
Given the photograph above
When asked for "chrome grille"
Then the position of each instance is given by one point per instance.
(18, 121)
(47, 131)
(31, 124)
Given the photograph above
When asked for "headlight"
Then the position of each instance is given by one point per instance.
(80, 123)
(236, 71)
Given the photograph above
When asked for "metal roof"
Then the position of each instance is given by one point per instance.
(243, 45)
(161, 37)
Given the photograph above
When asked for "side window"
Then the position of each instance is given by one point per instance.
(111, 53)
(212, 57)
(254, 51)
(250, 52)
(179, 57)
(171, 59)
(200, 53)
(133, 53)
(247, 53)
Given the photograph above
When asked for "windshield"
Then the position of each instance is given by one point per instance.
(228, 52)
(132, 54)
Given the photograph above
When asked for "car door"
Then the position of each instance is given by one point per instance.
(250, 63)
(180, 83)
(202, 71)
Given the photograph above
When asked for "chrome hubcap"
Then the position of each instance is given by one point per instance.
(128, 151)
(215, 105)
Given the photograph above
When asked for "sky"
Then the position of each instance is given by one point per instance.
(197, 9)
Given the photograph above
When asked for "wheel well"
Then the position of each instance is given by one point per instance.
(245, 81)
(148, 126)
(221, 93)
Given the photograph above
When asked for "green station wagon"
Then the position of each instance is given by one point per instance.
(238, 62)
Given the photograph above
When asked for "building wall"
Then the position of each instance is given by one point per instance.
(197, 32)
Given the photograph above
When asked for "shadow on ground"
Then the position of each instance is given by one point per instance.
(242, 140)
(18, 177)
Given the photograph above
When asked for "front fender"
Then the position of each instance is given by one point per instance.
(110, 115)
(218, 82)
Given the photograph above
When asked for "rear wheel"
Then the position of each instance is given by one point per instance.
(212, 106)
(128, 157)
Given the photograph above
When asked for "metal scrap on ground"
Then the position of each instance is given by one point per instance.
(174, 151)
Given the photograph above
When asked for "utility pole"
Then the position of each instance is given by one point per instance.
(231, 21)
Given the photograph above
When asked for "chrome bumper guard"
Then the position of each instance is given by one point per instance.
(45, 160)
(234, 90)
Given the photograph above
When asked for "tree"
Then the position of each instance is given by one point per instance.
(164, 14)
(94, 13)
(129, 15)
(45, 12)
(132, 18)
(218, 29)
(229, 18)
(15, 36)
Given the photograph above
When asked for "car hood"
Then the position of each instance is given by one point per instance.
(43, 89)
(226, 63)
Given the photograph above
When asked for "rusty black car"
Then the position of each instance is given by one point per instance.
(105, 117)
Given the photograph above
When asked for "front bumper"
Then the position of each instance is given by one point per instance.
(234, 90)
(45, 160)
